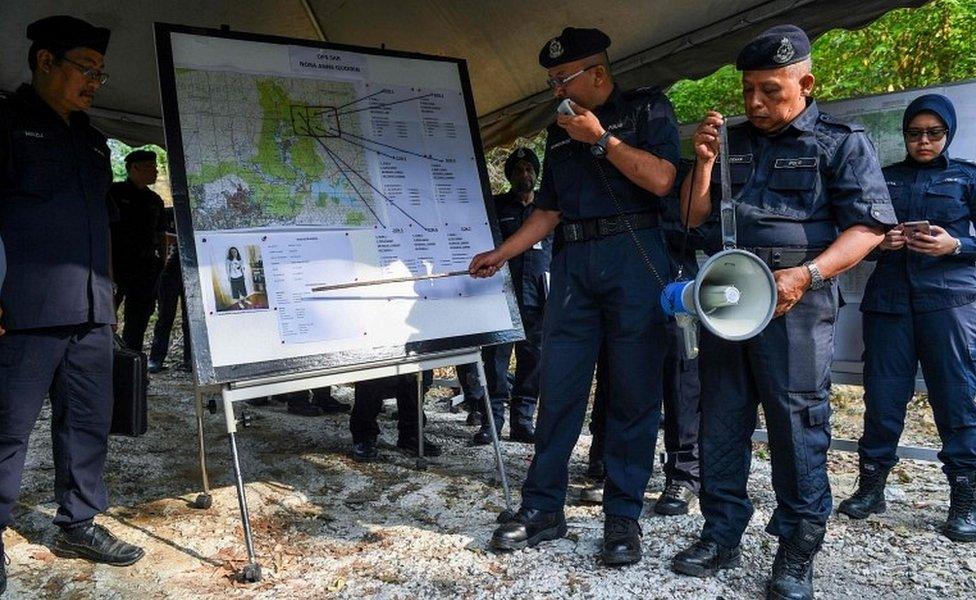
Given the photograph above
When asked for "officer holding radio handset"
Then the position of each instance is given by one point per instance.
(605, 171)
(920, 305)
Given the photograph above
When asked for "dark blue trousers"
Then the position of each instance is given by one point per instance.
(945, 342)
(682, 390)
(74, 365)
(786, 369)
(602, 292)
(170, 293)
(523, 394)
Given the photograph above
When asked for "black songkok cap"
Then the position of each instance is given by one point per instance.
(572, 44)
(520, 154)
(774, 48)
(64, 33)
(139, 156)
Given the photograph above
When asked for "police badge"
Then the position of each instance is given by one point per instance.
(555, 48)
(785, 52)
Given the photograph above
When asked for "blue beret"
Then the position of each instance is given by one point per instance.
(64, 33)
(518, 154)
(572, 44)
(774, 48)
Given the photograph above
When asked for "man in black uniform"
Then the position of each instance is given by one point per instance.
(170, 293)
(606, 168)
(369, 396)
(810, 200)
(529, 278)
(57, 298)
(138, 244)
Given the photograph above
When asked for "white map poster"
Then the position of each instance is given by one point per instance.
(307, 167)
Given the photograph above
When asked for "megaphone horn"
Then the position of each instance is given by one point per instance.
(733, 296)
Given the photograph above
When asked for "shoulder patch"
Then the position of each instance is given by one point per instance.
(832, 120)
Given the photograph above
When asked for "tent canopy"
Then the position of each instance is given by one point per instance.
(655, 42)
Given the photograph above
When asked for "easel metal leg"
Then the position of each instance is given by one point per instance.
(251, 571)
(204, 500)
(421, 460)
(508, 513)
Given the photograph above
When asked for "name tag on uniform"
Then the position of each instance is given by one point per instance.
(740, 159)
(537, 245)
(807, 162)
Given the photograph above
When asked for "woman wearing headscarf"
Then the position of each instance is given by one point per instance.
(920, 306)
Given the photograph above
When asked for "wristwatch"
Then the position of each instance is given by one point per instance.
(599, 149)
(816, 279)
(958, 247)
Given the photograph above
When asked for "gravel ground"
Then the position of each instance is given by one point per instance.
(327, 527)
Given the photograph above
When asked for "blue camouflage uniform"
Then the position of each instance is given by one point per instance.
(529, 273)
(56, 300)
(923, 308)
(796, 190)
(602, 291)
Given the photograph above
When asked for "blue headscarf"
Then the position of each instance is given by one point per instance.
(938, 105)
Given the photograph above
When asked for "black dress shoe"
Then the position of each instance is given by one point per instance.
(528, 528)
(328, 404)
(676, 499)
(365, 451)
(97, 544)
(621, 541)
(704, 558)
(409, 445)
(482, 438)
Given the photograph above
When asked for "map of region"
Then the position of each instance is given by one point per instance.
(264, 151)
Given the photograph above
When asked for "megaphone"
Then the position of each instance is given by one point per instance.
(733, 296)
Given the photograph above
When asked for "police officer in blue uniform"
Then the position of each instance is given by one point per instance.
(811, 202)
(920, 305)
(170, 294)
(57, 297)
(529, 278)
(605, 170)
(681, 387)
(369, 396)
(138, 244)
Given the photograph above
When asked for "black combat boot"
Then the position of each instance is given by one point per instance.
(869, 497)
(528, 528)
(792, 577)
(676, 499)
(704, 558)
(621, 541)
(960, 526)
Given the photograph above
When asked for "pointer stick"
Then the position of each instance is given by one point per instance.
(353, 284)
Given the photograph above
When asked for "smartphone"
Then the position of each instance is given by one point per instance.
(913, 228)
(564, 108)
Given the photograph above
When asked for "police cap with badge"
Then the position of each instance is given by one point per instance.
(61, 33)
(520, 154)
(572, 44)
(774, 48)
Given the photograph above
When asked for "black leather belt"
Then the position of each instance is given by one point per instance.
(785, 258)
(593, 229)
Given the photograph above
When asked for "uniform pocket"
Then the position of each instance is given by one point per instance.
(945, 203)
(811, 440)
(791, 189)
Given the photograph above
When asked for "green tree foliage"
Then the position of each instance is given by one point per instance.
(905, 49)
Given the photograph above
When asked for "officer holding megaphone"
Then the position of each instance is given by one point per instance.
(809, 201)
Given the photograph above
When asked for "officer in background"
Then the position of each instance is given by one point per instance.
(681, 386)
(369, 396)
(605, 171)
(138, 244)
(811, 202)
(529, 278)
(171, 293)
(920, 305)
(57, 306)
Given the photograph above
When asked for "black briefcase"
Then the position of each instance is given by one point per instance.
(130, 384)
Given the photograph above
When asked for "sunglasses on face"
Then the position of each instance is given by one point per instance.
(934, 134)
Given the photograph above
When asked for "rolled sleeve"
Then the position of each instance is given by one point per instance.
(657, 130)
(857, 190)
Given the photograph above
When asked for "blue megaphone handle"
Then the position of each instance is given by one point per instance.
(672, 298)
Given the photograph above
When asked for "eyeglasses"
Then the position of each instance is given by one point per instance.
(90, 73)
(935, 134)
(554, 83)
